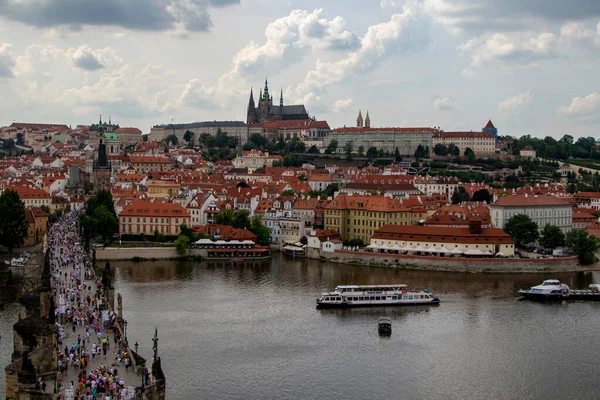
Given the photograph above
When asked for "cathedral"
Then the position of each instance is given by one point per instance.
(267, 112)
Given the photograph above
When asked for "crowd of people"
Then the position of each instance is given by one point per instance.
(88, 363)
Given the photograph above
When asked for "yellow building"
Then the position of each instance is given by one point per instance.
(358, 217)
(162, 188)
(143, 218)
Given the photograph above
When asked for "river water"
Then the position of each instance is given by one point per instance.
(251, 331)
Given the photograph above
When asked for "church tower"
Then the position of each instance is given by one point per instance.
(251, 117)
(359, 120)
(101, 169)
(367, 120)
(264, 104)
(281, 98)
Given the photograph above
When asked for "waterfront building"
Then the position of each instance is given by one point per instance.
(583, 217)
(473, 240)
(267, 112)
(143, 218)
(322, 240)
(358, 217)
(37, 220)
(543, 209)
(406, 140)
(482, 143)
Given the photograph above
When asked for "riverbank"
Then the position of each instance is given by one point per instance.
(451, 264)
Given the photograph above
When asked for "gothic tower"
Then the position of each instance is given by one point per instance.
(264, 103)
(359, 120)
(367, 120)
(281, 98)
(251, 117)
(101, 169)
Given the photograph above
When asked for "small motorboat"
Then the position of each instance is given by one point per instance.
(384, 326)
(549, 290)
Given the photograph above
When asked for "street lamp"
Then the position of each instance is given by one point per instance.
(136, 347)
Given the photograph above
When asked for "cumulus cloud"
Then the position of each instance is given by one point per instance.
(197, 95)
(86, 58)
(290, 37)
(6, 61)
(406, 32)
(147, 15)
(578, 34)
(516, 103)
(517, 48)
(584, 108)
(509, 15)
(343, 105)
(445, 103)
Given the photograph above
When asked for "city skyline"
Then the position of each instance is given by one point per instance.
(529, 66)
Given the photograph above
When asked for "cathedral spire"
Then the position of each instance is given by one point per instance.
(359, 120)
(367, 120)
(266, 91)
(281, 98)
(100, 123)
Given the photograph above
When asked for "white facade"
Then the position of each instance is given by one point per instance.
(560, 215)
(482, 143)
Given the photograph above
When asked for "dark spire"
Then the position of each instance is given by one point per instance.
(281, 98)
(100, 123)
(251, 105)
(102, 160)
(266, 91)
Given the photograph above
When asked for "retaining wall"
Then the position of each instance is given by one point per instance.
(125, 253)
(564, 264)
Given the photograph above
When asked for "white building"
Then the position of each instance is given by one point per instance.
(543, 209)
(482, 143)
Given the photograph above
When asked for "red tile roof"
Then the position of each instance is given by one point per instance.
(441, 235)
(529, 201)
(141, 208)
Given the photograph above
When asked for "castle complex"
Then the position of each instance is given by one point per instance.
(267, 112)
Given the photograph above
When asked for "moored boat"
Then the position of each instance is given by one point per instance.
(549, 290)
(375, 295)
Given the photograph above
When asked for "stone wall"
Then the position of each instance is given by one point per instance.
(127, 253)
(430, 263)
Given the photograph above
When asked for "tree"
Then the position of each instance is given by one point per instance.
(453, 150)
(371, 153)
(348, 149)
(552, 237)
(522, 229)
(263, 234)
(186, 231)
(188, 136)
(181, 244)
(13, 223)
(304, 240)
(332, 147)
(397, 155)
(224, 217)
(482, 195)
(440, 149)
(421, 152)
(584, 245)
(20, 138)
(172, 139)
(259, 140)
(470, 154)
(460, 196)
(106, 222)
(313, 150)
(145, 138)
(361, 150)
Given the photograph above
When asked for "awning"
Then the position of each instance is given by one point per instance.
(293, 248)
(396, 247)
(419, 249)
(473, 252)
(443, 250)
(500, 254)
(456, 251)
(432, 250)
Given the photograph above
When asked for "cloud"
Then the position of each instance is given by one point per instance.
(517, 48)
(479, 16)
(515, 103)
(445, 103)
(577, 34)
(467, 73)
(91, 60)
(406, 32)
(290, 37)
(390, 3)
(584, 108)
(343, 105)
(197, 96)
(145, 15)
(6, 61)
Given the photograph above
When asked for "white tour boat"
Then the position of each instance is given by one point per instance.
(375, 295)
(550, 289)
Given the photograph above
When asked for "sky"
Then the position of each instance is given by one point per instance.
(531, 66)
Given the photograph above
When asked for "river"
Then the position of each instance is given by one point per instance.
(251, 331)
